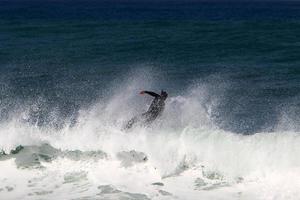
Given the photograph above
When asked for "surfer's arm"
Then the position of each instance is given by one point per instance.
(150, 93)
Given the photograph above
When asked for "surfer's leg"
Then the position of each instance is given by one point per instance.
(131, 122)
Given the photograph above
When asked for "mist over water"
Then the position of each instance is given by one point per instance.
(70, 79)
(90, 154)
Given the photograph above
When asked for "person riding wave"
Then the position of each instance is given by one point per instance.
(155, 110)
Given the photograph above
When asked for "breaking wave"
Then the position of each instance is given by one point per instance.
(183, 155)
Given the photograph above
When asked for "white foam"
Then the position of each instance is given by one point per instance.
(181, 146)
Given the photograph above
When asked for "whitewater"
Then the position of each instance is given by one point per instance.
(183, 155)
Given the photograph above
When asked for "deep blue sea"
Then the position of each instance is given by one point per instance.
(71, 73)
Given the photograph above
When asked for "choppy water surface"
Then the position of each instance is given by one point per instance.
(70, 77)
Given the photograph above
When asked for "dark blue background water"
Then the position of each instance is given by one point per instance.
(65, 54)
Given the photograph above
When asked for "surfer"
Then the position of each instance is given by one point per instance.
(156, 108)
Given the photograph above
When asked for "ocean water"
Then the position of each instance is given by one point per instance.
(70, 74)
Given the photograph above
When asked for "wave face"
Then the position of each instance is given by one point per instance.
(182, 155)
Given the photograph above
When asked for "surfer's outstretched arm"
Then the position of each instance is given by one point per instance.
(150, 93)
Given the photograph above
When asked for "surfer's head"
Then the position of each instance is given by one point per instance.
(164, 94)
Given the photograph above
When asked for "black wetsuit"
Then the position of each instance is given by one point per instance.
(156, 108)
